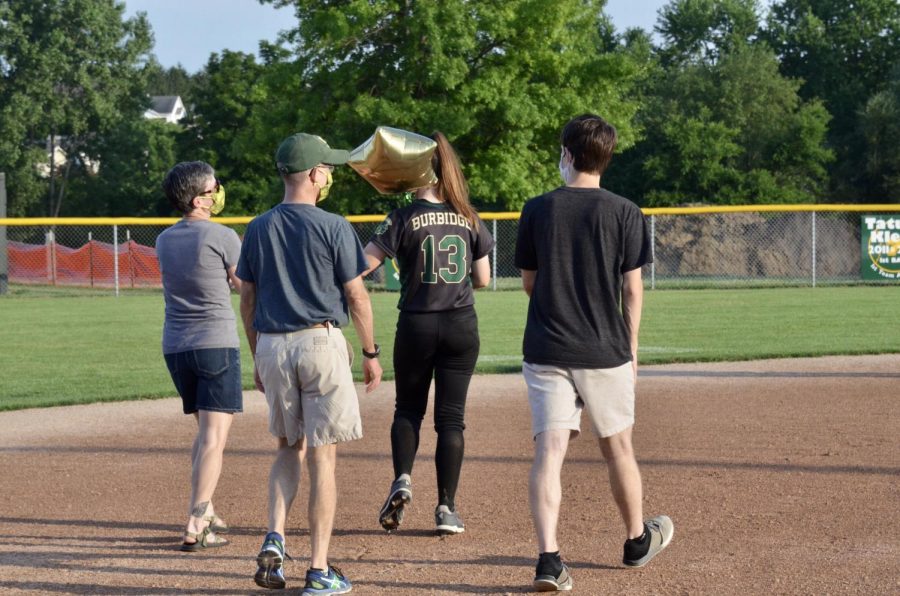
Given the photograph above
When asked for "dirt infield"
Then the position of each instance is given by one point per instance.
(781, 478)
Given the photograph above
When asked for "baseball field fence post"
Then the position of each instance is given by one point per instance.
(91, 257)
(4, 257)
(494, 258)
(116, 257)
(653, 252)
(813, 250)
(130, 256)
(51, 256)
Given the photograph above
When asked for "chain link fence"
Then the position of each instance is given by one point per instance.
(110, 257)
(755, 249)
(691, 249)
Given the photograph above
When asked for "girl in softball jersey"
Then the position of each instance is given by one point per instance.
(441, 249)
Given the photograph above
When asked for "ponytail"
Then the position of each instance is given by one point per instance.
(451, 186)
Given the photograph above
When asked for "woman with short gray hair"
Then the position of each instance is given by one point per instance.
(197, 259)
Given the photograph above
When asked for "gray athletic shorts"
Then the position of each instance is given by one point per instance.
(557, 396)
(309, 386)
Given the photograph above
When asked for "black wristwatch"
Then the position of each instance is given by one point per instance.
(374, 354)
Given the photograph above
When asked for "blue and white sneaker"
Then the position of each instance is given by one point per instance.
(270, 561)
(332, 581)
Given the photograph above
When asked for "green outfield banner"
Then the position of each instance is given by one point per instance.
(880, 244)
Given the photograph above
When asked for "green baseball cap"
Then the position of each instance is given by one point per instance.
(304, 151)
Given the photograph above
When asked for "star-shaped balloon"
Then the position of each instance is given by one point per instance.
(394, 160)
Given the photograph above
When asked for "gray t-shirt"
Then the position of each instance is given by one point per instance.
(299, 257)
(194, 257)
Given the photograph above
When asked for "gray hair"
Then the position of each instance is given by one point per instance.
(185, 181)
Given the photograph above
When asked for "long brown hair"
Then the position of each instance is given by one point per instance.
(452, 187)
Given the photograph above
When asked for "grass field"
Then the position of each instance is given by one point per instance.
(71, 347)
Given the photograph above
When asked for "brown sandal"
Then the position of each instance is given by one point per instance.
(202, 541)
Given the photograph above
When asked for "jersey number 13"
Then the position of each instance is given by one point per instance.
(455, 248)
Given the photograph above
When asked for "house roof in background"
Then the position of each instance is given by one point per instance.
(163, 104)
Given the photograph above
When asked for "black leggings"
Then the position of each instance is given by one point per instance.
(442, 345)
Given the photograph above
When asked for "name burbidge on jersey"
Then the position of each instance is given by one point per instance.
(441, 218)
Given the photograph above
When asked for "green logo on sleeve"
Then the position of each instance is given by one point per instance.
(383, 226)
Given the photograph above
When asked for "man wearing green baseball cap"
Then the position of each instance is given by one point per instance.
(301, 152)
(302, 270)
(304, 151)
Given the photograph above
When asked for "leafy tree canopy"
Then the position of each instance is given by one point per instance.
(134, 157)
(721, 125)
(728, 107)
(498, 78)
(881, 127)
(706, 30)
(71, 68)
(225, 98)
(844, 53)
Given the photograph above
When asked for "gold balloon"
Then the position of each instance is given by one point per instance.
(395, 160)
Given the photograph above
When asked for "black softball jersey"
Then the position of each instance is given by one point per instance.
(434, 248)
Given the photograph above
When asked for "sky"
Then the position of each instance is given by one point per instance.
(188, 31)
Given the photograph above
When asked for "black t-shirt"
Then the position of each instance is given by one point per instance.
(579, 241)
(435, 248)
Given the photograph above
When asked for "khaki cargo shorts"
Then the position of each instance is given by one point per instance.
(557, 395)
(309, 386)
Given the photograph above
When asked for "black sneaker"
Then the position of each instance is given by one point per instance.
(391, 514)
(545, 582)
(661, 529)
(269, 572)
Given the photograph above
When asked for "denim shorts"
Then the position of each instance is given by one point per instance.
(208, 379)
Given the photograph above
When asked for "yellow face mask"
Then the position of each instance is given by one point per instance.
(325, 188)
(217, 197)
(218, 200)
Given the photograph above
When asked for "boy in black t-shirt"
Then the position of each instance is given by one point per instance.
(581, 249)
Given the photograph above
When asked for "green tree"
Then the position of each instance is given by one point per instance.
(844, 53)
(705, 30)
(225, 97)
(133, 159)
(499, 78)
(720, 124)
(69, 70)
(881, 127)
